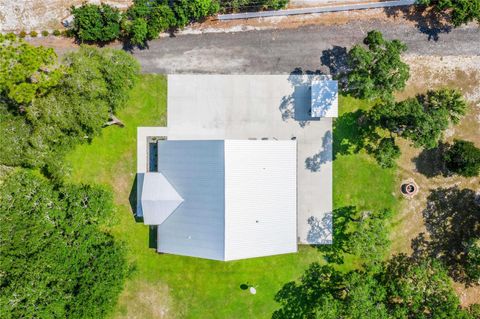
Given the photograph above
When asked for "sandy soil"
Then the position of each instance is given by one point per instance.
(429, 73)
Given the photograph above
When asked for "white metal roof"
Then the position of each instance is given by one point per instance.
(159, 199)
(239, 198)
(324, 98)
(260, 198)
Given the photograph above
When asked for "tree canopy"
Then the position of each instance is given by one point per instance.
(462, 11)
(26, 71)
(463, 158)
(95, 84)
(377, 70)
(362, 234)
(403, 287)
(58, 261)
(96, 22)
(422, 119)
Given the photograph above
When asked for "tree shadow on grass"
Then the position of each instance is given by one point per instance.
(452, 218)
(431, 163)
(427, 20)
(349, 133)
(340, 217)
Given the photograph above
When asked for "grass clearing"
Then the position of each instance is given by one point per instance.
(168, 286)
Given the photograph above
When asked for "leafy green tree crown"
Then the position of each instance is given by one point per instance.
(377, 70)
(463, 158)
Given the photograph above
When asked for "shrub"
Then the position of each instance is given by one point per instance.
(56, 33)
(145, 19)
(33, 34)
(251, 5)
(193, 10)
(45, 33)
(96, 22)
(463, 158)
(138, 32)
(22, 34)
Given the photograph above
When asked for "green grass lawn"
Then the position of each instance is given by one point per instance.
(167, 286)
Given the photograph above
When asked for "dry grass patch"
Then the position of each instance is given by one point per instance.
(462, 73)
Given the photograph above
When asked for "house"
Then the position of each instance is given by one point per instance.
(227, 179)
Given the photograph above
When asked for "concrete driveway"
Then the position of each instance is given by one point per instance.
(262, 107)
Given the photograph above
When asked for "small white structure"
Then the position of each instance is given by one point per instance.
(223, 200)
(324, 98)
(158, 199)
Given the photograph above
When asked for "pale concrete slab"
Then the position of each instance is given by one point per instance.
(262, 107)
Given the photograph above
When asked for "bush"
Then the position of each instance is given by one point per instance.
(45, 33)
(22, 34)
(158, 18)
(56, 33)
(252, 5)
(33, 34)
(463, 158)
(187, 11)
(96, 23)
(138, 32)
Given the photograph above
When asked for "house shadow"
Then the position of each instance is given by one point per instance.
(428, 21)
(315, 162)
(133, 199)
(452, 220)
(152, 236)
(431, 163)
(297, 105)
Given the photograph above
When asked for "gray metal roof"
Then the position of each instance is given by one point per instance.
(196, 170)
(239, 198)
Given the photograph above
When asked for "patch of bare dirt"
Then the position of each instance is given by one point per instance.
(145, 300)
(41, 14)
(427, 72)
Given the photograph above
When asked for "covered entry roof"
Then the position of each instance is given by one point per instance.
(239, 198)
(159, 199)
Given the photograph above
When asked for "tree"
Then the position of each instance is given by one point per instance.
(422, 119)
(462, 11)
(463, 158)
(96, 85)
(27, 71)
(378, 70)
(472, 264)
(362, 234)
(57, 259)
(386, 152)
(96, 22)
(403, 287)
